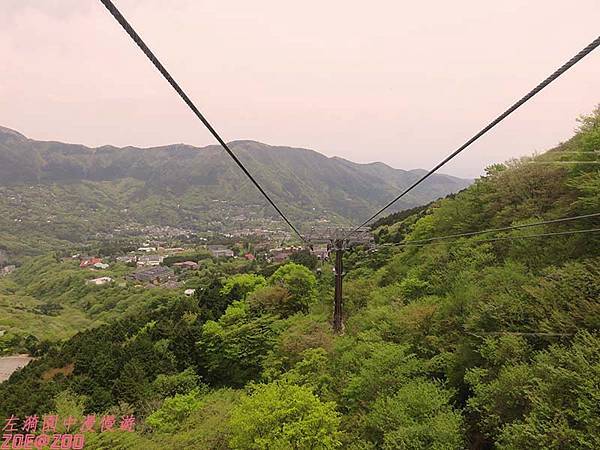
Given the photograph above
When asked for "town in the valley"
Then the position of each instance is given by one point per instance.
(166, 257)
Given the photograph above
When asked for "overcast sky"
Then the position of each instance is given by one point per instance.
(401, 82)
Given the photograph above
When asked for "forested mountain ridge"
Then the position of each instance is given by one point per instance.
(464, 343)
(305, 176)
(62, 193)
(25, 160)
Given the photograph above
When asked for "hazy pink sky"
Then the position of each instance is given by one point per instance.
(394, 81)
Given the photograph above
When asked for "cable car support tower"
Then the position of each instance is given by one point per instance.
(339, 240)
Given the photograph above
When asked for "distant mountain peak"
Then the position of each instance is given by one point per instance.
(248, 141)
(10, 131)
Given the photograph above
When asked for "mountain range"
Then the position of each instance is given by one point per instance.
(42, 182)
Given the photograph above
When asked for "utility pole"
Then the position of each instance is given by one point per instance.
(338, 324)
(338, 241)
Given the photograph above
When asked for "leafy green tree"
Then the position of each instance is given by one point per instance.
(412, 288)
(299, 281)
(313, 371)
(132, 385)
(567, 297)
(300, 334)
(417, 416)
(180, 383)
(589, 186)
(563, 400)
(305, 258)
(173, 412)
(375, 368)
(68, 404)
(211, 301)
(283, 416)
(274, 300)
(235, 346)
(237, 287)
(499, 399)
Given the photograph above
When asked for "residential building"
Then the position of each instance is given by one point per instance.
(127, 259)
(220, 251)
(149, 260)
(155, 275)
(89, 262)
(100, 281)
(187, 265)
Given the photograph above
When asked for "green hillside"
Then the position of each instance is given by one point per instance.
(61, 193)
(462, 343)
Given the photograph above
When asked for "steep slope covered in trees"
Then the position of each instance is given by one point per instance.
(464, 343)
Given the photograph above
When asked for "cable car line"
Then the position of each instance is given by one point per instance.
(495, 230)
(566, 66)
(502, 238)
(110, 6)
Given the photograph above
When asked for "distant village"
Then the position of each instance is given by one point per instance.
(166, 255)
(155, 265)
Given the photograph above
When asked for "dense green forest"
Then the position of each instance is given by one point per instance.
(460, 343)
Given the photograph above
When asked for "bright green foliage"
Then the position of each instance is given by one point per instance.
(274, 300)
(174, 411)
(300, 334)
(242, 284)
(181, 383)
(552, 402)
(299, 281)
(458, 344)
(502, 399)
(356, 294)
(201, 422)
(412, 288)
(417, 416)
(375, 368)
(235, 346)
(119, 440)
(312, 371)
(567, 297)
(281, 416)
(68, 404)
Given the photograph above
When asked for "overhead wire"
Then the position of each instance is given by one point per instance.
(502, 238)
(110, 6)
(562, 69)
(507, 228)
(563, 162)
